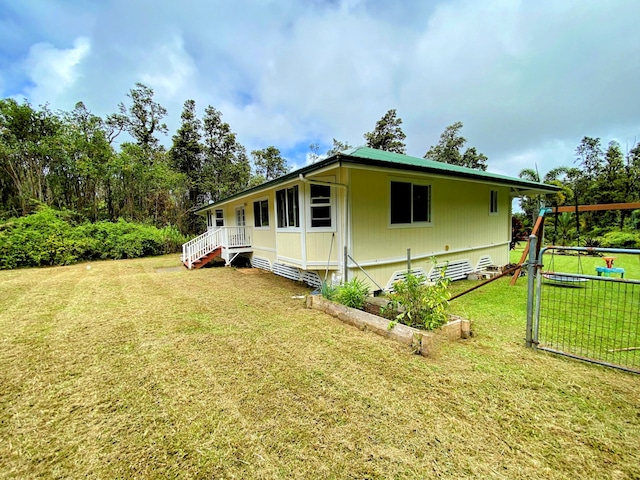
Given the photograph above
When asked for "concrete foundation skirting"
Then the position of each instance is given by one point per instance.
(421, 341)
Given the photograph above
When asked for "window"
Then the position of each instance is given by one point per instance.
(320, 205)
(287, 207)
(209, 219)
(219, 218)
(261, 213)
(494, 202)
(410, 203)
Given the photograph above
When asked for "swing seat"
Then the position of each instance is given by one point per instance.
(564, 280)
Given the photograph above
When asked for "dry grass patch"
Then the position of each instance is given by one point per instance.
(132, 368)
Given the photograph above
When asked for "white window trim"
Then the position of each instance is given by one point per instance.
(412, 181)
(300, 206)
(253, 204)
(332, 204)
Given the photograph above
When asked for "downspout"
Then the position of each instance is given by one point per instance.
(345, 242)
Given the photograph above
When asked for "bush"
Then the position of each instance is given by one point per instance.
(51, 237)
(352, 293)
(621, 240)
(419, 305)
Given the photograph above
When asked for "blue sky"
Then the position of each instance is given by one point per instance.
(527, 79)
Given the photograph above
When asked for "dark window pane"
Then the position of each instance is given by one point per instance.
(320, 193)
(421, 203)
(281, 206)
(257, 219)
(321, 216)
(292, 206)
(219, 218)
(400, 202)
(264, 213)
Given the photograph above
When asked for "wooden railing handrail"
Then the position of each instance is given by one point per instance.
(207, 242)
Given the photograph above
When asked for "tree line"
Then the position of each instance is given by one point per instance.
(599, 175)
(72, 160)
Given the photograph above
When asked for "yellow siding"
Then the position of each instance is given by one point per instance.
(383, 274)
(460, 218)
(461, 229)
(289, 247)
(318, 247)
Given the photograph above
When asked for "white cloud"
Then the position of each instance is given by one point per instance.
(167, 68)
(53, 71)
(527, 79)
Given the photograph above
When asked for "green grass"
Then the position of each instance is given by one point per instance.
(585, 264)
(598, 319)
(132, 370)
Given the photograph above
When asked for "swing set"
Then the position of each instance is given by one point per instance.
(538, 230)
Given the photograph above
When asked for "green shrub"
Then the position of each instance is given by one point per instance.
(51, 237)
(352, 293)
(621, 240)
(417, 304)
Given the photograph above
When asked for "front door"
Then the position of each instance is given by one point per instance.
(240, 217)
(239, 235)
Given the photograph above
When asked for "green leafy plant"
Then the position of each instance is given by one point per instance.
(417, 304)
(327, 290)
(352, 293)
(621, 240)
(53, 237)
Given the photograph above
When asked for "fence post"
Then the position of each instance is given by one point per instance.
(408, 260)
(346, 259)
(531, 268)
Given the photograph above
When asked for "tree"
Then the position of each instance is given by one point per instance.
(269, 163)
(338, 147)
(88, 152)
(29, 146)
(387, 135)
(532, 204)
(226, 168)
(186, 156)
(142, 120)
(449, 150)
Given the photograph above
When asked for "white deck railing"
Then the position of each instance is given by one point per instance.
(225, 237)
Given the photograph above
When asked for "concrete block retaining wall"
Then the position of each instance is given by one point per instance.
(420, 340)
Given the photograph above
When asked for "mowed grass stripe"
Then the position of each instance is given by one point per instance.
(157, 373)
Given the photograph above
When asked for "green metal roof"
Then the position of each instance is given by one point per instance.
(380, 158)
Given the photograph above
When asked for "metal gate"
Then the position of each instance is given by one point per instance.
(589, 317)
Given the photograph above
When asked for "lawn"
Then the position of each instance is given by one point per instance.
(594, 319)
(136, 369)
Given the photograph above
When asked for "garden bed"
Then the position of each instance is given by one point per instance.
(421, 341)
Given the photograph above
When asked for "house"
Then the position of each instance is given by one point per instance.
(358, 212)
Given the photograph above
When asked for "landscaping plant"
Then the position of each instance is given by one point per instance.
(352, 293)
(418, 304)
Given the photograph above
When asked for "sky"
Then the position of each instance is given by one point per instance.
(528, 79)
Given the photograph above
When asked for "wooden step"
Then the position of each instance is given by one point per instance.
(202, 261)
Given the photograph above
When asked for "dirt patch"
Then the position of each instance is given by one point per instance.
(169, 269)
(251, 271)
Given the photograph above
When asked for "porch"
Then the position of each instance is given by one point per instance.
(219, 242)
